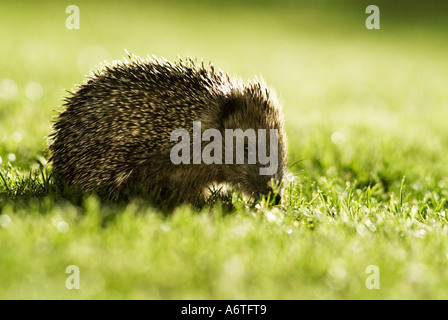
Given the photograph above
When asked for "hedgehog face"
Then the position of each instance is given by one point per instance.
(256, 123)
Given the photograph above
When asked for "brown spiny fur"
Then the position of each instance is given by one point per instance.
(114, 133)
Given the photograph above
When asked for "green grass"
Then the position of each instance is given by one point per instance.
(366, 120)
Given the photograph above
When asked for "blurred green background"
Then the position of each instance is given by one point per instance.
(364, 108)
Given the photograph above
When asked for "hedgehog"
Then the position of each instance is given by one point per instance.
(115, 131)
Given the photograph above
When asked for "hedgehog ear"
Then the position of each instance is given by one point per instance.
(229, 107)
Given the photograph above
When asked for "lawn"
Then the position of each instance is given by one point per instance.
(366, 120)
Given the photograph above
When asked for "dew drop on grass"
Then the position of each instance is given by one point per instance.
(338, 272)
(165, 227)
(34, 91)
(43, 160)
(369, 224)
(1, 160)
(11, 157)
(362, 230)
(17, 137)
(5, 220)
(63, 227)
(8, 89)
(338, 138)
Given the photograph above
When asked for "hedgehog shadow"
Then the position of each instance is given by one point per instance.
(41, 186)
(161, 201)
